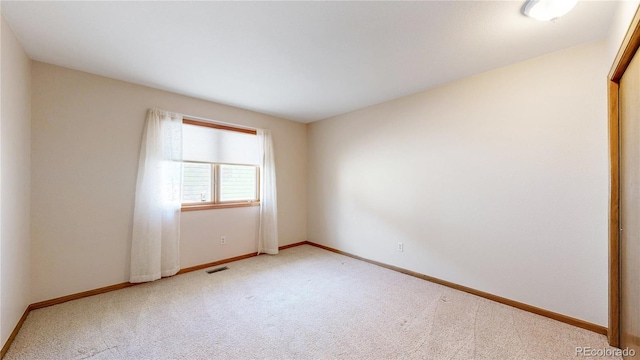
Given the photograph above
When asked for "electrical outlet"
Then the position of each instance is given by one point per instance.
(223, 240)
(400, 246)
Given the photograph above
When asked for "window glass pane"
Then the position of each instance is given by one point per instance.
(196, 183)
(238, 183)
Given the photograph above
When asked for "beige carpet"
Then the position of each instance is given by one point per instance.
(306, 303)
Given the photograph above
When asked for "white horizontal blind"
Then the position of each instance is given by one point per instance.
(218, 146)
(238, 183)
(196, 183)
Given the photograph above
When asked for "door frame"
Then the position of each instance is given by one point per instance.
(628, 48)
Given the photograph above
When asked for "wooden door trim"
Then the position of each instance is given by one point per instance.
(614, 219)
(628, 48)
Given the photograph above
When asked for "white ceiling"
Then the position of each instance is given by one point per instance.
(302, 61)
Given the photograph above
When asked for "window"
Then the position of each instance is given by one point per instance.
(205, 183)
(220, 167)
(197, 183)
(238, 182)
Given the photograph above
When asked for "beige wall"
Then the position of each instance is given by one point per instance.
(497, 182)
(15, 150)
(87, 131)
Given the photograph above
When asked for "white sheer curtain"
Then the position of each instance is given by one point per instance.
(156, 217)
(268, 231)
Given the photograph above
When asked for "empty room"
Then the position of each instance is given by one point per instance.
(319, 180)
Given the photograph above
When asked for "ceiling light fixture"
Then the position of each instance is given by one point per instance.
(547, 10)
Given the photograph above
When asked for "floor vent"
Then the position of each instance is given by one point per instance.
(217, 270)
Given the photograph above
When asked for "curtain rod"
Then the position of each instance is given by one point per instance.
(219, 122)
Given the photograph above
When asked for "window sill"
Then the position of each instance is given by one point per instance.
(218, 206)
